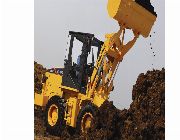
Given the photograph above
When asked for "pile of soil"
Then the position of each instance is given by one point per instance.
(39, 73)
(145, 119)
(146, 115)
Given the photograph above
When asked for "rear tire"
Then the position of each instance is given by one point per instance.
(54, 116)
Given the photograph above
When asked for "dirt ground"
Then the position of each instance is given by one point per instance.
(144, 120)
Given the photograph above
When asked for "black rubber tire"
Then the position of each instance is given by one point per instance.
(60, 125)
(89, 108)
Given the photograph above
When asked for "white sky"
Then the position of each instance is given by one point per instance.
(55, 18)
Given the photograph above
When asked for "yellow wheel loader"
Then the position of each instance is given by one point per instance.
(71, 95)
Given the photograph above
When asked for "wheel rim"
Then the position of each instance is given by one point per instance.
(86, 122)
(53, 115)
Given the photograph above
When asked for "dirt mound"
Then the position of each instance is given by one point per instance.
(146, 115)
(145, 119)
(39, 72)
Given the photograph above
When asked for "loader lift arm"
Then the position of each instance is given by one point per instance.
(112, 53)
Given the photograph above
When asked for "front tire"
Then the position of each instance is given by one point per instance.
(54, 116)
(86, 118)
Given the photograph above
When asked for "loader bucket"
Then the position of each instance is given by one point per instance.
(137, 15)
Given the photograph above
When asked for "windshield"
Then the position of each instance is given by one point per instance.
(92, 56)
(76, 51)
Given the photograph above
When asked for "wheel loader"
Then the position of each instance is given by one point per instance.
(71, 95)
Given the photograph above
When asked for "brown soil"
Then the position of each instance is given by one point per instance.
(39, 72)
(145, 119)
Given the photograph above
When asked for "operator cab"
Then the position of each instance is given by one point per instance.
(78, 66)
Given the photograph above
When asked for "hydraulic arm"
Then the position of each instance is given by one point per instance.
(112, 53)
